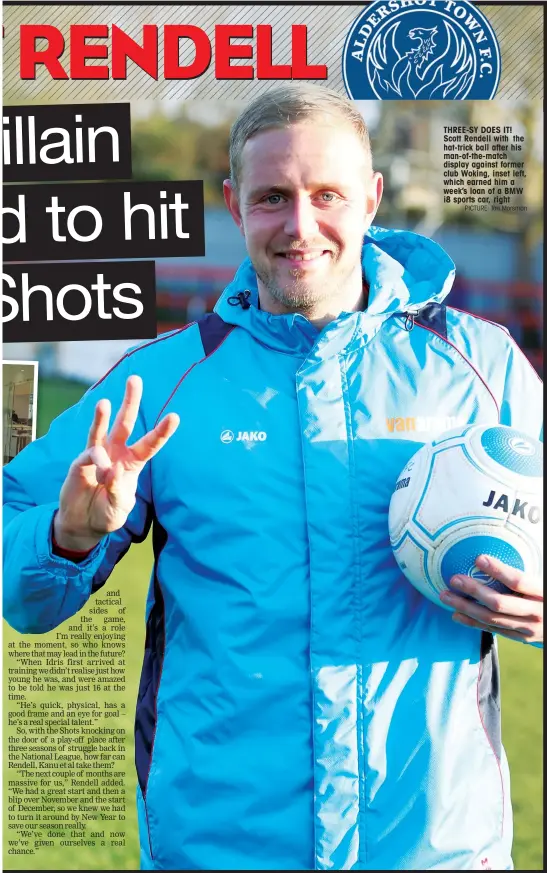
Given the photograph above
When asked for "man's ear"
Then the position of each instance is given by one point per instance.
(232, 202)
(374, 195)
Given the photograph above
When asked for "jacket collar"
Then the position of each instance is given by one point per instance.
(404, 272)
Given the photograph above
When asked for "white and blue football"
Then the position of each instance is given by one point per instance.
(476, 490)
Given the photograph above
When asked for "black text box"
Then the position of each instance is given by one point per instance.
(103, 220)
(114, 300)
(54, 143)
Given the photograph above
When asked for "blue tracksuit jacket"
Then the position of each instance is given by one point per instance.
(301, 705)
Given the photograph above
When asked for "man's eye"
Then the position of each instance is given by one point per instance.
(328, 196)
(273, 199)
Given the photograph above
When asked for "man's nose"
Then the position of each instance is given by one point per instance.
(301, 220)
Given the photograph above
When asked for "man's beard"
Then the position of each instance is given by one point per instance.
(301, 294)
(298, 296)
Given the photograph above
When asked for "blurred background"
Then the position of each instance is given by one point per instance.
(499, 276)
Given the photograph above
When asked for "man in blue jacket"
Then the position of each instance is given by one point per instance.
(301, 705)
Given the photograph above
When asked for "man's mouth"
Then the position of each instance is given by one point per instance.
(303, 257)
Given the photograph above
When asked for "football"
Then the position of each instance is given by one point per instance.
(475, 490)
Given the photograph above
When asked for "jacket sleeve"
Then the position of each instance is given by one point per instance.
(40, 589)
(522, 401)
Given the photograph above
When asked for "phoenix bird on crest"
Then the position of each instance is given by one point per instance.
(426, 71)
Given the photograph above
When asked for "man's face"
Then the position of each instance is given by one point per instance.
(306, 197)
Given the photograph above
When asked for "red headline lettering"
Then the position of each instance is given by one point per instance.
(118, 48)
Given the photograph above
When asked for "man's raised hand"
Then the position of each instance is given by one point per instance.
(99, 491)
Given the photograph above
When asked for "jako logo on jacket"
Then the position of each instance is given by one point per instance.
(245, 436)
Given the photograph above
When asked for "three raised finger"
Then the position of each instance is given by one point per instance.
(148, 445)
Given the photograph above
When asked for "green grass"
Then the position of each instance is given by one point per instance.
(521, 693)
(54, 396)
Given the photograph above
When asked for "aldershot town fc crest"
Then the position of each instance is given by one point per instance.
(421, 50)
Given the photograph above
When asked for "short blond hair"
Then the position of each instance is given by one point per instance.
(291, 104)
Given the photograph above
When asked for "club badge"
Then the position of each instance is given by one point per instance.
(421, 50)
